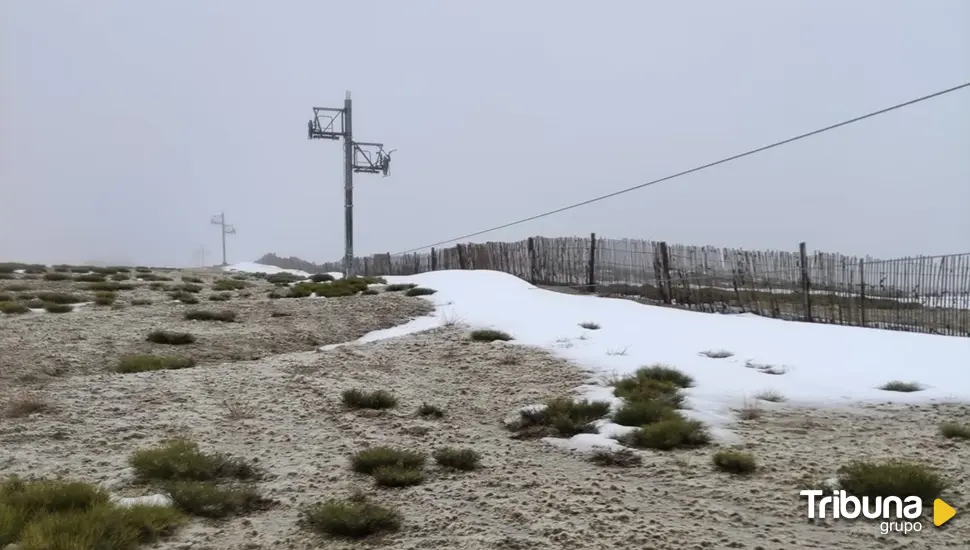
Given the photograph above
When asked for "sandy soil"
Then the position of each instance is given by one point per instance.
(529, 495)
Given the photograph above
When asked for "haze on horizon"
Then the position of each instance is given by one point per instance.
(126, 126)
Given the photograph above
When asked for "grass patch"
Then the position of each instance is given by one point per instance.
(562, 417)
(639, 413)
(420, 291)
(144, 363)
(13, 308)
(359, 399)
(397, 476)
(187, 287)
(59, 298)
(891, 478)
(220, 297)
(184, 297)
(369, 460)
(108, 286)
(953, 430)
(17, 288)
(120, 277)
(90, 278)
(900, 386)
(352, 518)
(458, 459)
(399, 287)
(209, 500)
(673, 433)
(181, 460)
(590, 325)
(152, 277)
(105, 298)
(58, 308)
(620, 458)
(170, 338)
(321, 277)
(283, 278)
(226, 316)
(192, 280)
(55, 276)
(430, 411)
(225, 285)
(69, 515)
(734, 462)
(489, 335)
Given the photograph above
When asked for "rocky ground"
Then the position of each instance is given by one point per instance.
(261, 391)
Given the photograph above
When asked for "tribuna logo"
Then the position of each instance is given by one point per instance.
(841, 505)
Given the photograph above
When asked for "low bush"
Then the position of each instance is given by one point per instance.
(589, 325)
(283, 278)
(13, 308)
(734, 462)
(432, 411)
(152, 277)
(621, 458)
(223, 285)
(90, 278)
(188, 287)
(900, 386)
(420, 291)
(398, 287)
(192, 280)
(673, 433)
(108, 286)
(170, 338)
(954, 430)
(359, 399)
(59, 298)
(144, 363)
(369, 460)
(226, 316)
(120, 277)
(457, 459)
(352, 518)
(561, 417)
(58, 308)
(182, 460)
(370, 292)
(488, 335)
(105, 298)
(184, 297)
(641, 412)
(55, 276)
(321, 277)
(209, 500)
(397, 476)
(141, 302)
(220, 297)
(891, 478)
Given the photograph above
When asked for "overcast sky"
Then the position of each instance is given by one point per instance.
(126, 125)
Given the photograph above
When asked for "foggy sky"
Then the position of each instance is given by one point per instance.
(127, 125)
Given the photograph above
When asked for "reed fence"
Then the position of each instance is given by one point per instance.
(928, 294)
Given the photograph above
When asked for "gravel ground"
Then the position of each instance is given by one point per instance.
(284, 410)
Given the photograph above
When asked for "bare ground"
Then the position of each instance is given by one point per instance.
(284, 410)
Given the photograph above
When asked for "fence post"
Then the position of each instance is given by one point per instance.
(462, 257)
(533, 268)
(862, 291)
(591, 268)
(434, 259)
(806, 283)
(665, 271)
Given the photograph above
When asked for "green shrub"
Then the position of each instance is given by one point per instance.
(220, 297)
(673, 433)
(397, 476)
(6, 298)
(16, 288)
(143, 269)
(658, 373)
(226, 316)
(185, 298)
(891, 478)
(562, 417)
(55, 276)
(181, 460)
(80, 269)
(457, 459)
(143, 363)
(420, 291)
(398, 287)
(639, 413)
(58, 308)
(283, 278)
(223, 285)
(734, 462)
(108, 286)
(359, 399)
(152, 277)
(488, 335)
(368, 460)
(120, 277)
(105, 298)
(353, 518)
(59, 298)
(140, 302)
(953, 430)
(321, 277)
(13, 308)
(209, 500)
(186, 287)
(170, 338)
(192, 280)
(90, 278)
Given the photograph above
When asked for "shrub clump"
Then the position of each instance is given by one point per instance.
(369, 460)
(67, 515)
(621, 458)
(398, 287)
(105, 298)
(397, 476)
(58, 308)
(108, 286)
(560, 417)
(488, 335)
(900, 386)
(90, 278)
(891, 478)
(589, 325)
(182, 460)
(734, 462)
(192, 280)
(184, 297)
(170, 338)
(321, 277)
(352, 518)
(359, 399)
(226, 316)
(673, 433)
(13, 308)
(953, 430)
(59, 298)
(220, 297)
(420, 291)
(642, 412)
(223, 285)
(209, 500)
(144, 363)
(457, 459)
(55, 276)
